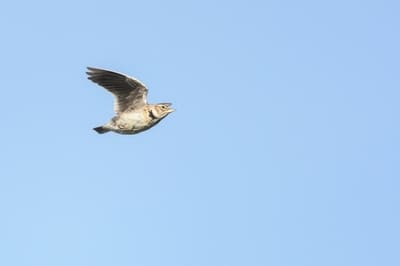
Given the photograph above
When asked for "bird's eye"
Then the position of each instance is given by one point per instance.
(163, 107)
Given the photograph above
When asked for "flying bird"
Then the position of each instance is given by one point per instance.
(133, 113)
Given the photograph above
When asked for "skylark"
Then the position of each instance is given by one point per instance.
(133, 113)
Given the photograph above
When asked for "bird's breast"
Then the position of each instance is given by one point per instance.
(135, 120)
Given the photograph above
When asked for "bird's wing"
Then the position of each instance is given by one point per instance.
(129, 92)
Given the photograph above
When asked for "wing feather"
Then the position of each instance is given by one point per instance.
(129, 92)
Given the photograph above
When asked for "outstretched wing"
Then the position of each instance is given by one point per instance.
(129, 92)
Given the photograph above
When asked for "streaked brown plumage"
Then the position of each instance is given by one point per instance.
(133, 113)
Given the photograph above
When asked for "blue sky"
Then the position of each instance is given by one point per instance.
(284, 149)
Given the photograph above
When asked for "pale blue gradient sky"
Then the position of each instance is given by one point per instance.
(284, 149)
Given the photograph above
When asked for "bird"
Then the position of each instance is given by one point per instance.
(133, 113)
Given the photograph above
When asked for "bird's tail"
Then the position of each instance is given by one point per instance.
(101, 130)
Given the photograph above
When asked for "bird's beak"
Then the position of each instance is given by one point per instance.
(170, 110)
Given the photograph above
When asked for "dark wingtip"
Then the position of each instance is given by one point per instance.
(92, 71)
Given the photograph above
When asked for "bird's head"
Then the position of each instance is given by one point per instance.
(161, 110)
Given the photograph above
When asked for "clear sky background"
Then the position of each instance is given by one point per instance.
(284, 149)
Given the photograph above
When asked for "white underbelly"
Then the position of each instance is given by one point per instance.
(134, 120)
